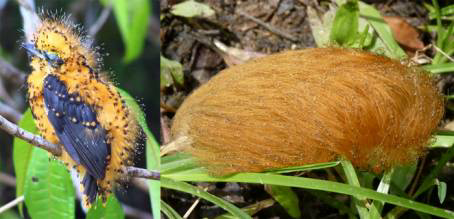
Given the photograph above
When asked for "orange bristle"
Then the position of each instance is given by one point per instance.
(308, 106)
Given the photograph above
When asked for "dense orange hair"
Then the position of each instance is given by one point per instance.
(308, 106)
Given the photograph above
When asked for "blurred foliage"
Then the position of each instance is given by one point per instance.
(191, 9)
(132, 18)
(171, 73)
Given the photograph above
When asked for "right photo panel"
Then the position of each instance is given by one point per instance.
(306, 109)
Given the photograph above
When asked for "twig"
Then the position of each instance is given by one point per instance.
(100, 21)
(417, 177)
(7, 179)
(191, 209)
(12, 204)
(443, 53)
(11, 73)
(269, 27)
(13, 129)
(143, 173)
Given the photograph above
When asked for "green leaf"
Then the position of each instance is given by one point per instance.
(321, 25)
(403, 176)
(49, 191)
(132, 19)
(364, 38)
(185, 187)
(171, 73)
(441, 186)
(384, 43)
(286, 198)
(22, 154)
(112, 210)
(384, 31)
(154, 186)
(191, 9)
(152, 152)
(345, 25)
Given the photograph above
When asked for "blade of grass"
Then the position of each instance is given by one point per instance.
(444, 37)
(186, 187)
(308, 167)
(177, 162)
(180, 162)
(429, 179)
(352, 179)
(308, 183)
(169, 211)
(440, 68)
(438, 18)
(287, 198)
(383, 187)
(251, 209)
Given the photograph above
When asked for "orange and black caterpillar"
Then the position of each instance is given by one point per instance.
(76, 107)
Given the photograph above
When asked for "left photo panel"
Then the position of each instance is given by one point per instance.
(79, 109)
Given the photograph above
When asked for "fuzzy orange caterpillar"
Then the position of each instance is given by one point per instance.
(76, 107)
(308, 106)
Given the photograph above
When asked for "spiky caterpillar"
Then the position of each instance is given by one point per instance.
(76, 107)
(308, 106)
